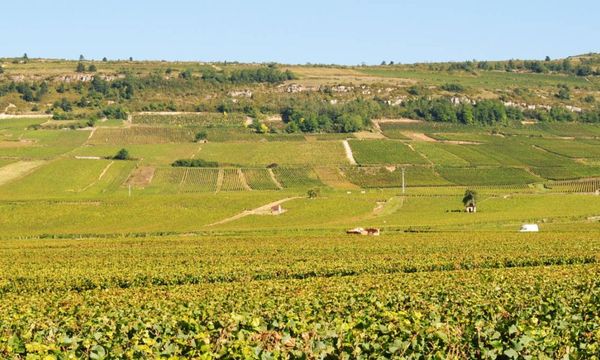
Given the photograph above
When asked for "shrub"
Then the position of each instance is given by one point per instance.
(194, 163)
(123, 154)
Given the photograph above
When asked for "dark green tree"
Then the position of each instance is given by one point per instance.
(80, 68)
(470, 198)
(123, 154)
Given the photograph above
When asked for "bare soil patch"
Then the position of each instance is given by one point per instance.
(141, 177)
(17, 170)
(418, 136)
(16, 144)
(367, 135)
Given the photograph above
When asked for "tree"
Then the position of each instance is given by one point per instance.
(564, 93)
(201, 135)
(130, 58)
(80, 68)
(81, 58)
(547, 58)
(92, 68)
(64, 104)
(186, 74)
(104, 59)
(123, 154)
(25, 57)
(1, 70)
(469, 198)
(383, 63)
(313, 193)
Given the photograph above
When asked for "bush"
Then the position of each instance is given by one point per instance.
(123, 154)
(194, 163)
(313, 193)
(453, 87)
(114, 112)
(201, 135)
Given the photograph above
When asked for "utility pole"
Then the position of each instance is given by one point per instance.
(403, 187)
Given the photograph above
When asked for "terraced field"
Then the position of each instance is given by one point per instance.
(259, 179)
(297, 177)
(384, 152)
(141, 135)
(190, 119)
(487, 176)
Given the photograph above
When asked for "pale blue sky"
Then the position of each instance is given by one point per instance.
(334, 31)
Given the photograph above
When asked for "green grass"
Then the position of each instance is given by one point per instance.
(64, 178)
(482, 79)
(384, 152)
(148, 154)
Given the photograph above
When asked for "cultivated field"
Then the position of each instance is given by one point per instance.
(159, 212)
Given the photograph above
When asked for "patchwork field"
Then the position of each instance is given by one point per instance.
(201, 210)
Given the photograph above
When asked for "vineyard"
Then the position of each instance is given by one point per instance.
(190, 119)
(259, 179)
(297, 177)
(487, 176)
(391, 176)
(141, 135)
(412, 296)
(575, 186)
(384, 152)
(232, 179)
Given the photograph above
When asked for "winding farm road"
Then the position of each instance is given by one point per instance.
(258, 211)
(349, 154)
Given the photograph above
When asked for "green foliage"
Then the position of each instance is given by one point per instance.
(399, 296)
(313, 193)
(469, 198)
(564, 93)
(114, 112)
(453, 87)
(80, 68)
(123, 154)
(201, 135)
(194, 163)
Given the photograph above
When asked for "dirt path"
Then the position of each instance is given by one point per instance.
(220, 177)
(349, 154)
(25, 116)
(262, 210)
(104, 171)
(418, 136)
(17, 170)
(243, 180)
(10, 105)
(272, 175)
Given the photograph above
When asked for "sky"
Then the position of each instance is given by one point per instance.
(302, 31)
